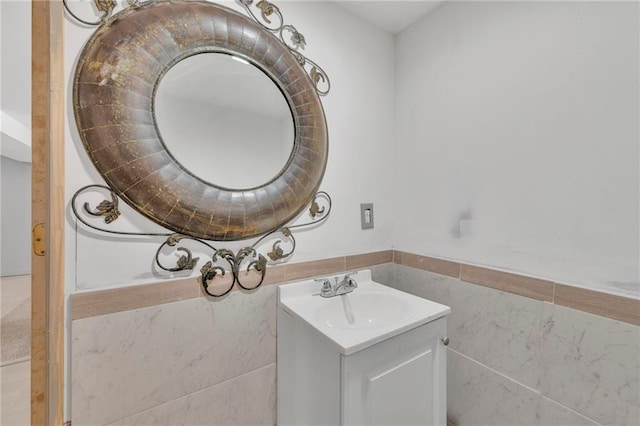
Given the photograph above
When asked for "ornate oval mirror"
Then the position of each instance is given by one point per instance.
(115, 87)
(225, 120)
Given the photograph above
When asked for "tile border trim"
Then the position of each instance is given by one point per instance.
(89, 304)
(533, 288)
(607, 305)
(620, 308)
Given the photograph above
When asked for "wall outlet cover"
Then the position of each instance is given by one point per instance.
(366, 215)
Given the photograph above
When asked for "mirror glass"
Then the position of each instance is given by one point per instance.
(225, 120)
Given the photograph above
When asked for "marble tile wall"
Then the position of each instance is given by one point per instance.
(516, 360)
(164, 354)
(591, 364)
(194, 360)
(249, 399)
(128, 362)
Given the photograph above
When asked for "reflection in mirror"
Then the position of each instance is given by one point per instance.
(225, 120)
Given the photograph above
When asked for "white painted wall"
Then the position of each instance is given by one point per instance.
(15, 80)
(15, 217)
(15, 45)
(15, 137)
(517, 137)
(360, 112)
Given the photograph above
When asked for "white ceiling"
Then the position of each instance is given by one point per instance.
(391, 16)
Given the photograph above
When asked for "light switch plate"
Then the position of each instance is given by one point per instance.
(366, 215)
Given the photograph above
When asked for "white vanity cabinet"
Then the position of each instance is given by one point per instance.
(332, 372)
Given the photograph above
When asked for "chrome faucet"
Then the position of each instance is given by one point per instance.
(346, 285)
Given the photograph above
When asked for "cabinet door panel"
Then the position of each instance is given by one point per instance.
(401, 394)
(400, 381)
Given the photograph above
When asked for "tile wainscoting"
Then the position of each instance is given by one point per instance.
(516, 360)
(163, 353)
(132, 363)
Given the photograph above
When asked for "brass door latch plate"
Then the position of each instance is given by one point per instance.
(38, 240)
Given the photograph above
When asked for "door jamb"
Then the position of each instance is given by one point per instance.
(48, 207)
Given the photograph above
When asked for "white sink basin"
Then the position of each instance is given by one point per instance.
(369, 308)
(354, 321)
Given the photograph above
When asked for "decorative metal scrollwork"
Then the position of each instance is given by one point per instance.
(104, 6)
(270, 18)
(224, 267)
(290, 37)
(108, 209)
(246, 261)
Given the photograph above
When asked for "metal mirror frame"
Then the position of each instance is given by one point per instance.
(115, 82)
(114, 88)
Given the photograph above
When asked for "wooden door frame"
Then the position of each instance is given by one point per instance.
(48, 208)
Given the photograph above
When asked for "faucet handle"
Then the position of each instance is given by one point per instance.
(326, 288)
(350, 281)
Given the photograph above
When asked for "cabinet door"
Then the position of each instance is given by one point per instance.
(401, 381)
